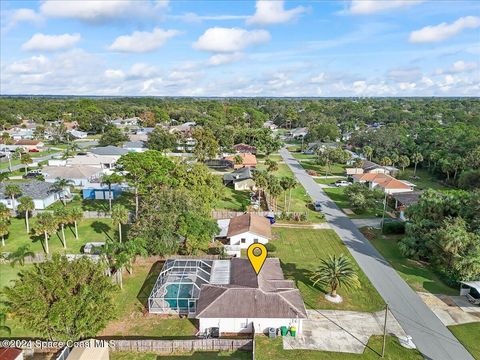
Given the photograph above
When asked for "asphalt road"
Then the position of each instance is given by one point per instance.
(429, 334)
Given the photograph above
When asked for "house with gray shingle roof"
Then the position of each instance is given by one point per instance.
(43, 193)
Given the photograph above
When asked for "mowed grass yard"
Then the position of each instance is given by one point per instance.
(232, 199)
(425, 179)
(300, 252)
(267, 349)
(337, 194)
(198, 355)
(420, 276)
(88, 230)
(469, 336)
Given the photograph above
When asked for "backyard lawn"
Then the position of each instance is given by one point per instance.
(88, 230)
(267, 349)
(300, 252)
(425, 179)
(418, 275)
(198, 355)
(468, 335)
(337, 194)
(233, 200)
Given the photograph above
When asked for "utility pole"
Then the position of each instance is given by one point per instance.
(385, 330)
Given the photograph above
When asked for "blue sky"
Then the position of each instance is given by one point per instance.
(241, 48)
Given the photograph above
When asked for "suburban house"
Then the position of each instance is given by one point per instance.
(299, 133)
(219, 164)
(242, 231)
(30, 145)
(43, 193)
(100, 157)
(244, 148)
(384, 182)
(251, 303)
(248, 160)
(135, 146)
(371, 167)
(77, 134)
(240, 179)
(80, 175)
(403, 200)
(227, 297)
(270, 125)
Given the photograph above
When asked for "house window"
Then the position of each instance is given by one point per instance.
(243, 240)
(244, 325)
(255, 241)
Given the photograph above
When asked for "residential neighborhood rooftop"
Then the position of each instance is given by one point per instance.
(109, 150)
(34, 189)
(250, 222)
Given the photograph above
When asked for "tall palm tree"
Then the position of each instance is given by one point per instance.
(62, 217)
(260, 178)
(4, 329)
(335, 272)
(26, 206)
(11, 191)
(46, 226)
(60, 185)
(119, 217)
(368, 152)
(110, 180)
(74, 216)
(274, 189)
(5, 216)
(19, 255)
(416, 158)
(26, 160)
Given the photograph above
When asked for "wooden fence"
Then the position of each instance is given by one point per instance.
(219, 214)
(179, 346)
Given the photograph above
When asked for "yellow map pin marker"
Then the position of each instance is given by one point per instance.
(257, 253)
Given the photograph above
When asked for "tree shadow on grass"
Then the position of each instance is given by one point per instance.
(100, 227)
(149, 283)
(40, 239)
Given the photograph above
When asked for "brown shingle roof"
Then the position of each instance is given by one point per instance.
(27, 142)
(247, 159)
(250, 222)
(271, 296)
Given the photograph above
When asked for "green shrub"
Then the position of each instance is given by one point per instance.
(270, 247)
(394, 227)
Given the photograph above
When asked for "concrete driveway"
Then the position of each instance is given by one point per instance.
(341, 331)
(451, 310)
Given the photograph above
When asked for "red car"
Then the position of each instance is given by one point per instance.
(33, 150)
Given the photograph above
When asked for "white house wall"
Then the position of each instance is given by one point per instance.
(249, 239)
(244, 325)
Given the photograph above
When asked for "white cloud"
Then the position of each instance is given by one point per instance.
(273, 12)
(218, 39)
(42, 42)
(21, 15)
(366, 7)
(142, 41)
(191, 17)
(459, 66)
(114, 74)
(402, 74)
(222, 59)
(141, 70)
(318, 79)
(95, 11)
(444, 31)
(27, 66)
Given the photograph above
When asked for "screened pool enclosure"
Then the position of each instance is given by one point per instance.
(178, 286)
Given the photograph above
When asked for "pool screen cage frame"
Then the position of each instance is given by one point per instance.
(182, 273)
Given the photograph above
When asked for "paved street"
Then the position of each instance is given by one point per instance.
(432, 338)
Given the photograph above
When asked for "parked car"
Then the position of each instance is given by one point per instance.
(271, 219)
(30, 175)
(34, 150)
(317, 205)
(341, 183)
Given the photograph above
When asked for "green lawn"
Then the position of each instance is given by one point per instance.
(301, 156)
(335, 169)
(328, 181)
(468, 335)
(33, 155)
(198, 355)
(88, 229)
(418, 275)
(233, 199)
(300, 252)
(267, 349)
(337, 194)
(126, 199)
(426, 180)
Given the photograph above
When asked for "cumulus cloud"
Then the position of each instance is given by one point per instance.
(114, 74)
(218, 39)
(404, 74)
(21, 15)
(142, 41)
(273, 12)
(42, 42)
(95, 11)
(444, 31)
(459, 66)
(367, 7)
(318, 79)
(223, 59)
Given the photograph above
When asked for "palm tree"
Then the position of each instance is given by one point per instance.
(274, 189)
(289, 183)
(386, 161)
(368, 152)
(74, 215)
(60, 185)
(19, 255)
(335, 272)
(4, 329)
(26, 206)
(271, 165)
(46, 225)
(403, 162)
(237, 160)
(5, 216)
(416, 158)
(62, 217)
(260, 178)
(7, 140)
(109, 180)
(11, 191)
(119, 217)
(26, 160)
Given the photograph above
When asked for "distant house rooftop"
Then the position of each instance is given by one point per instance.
(244, 148)
(238, 175)
(109, 150)
(34, 189)
(407, 198)
(250, 222)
